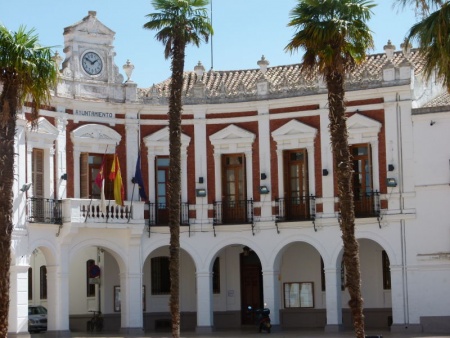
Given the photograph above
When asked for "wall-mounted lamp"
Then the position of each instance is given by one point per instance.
(25, 187)
(263, 176)
(325, 172)
(391, 182)
(64, 176)
(246, 250)
(264, 190)
(200, 192)
(391, 167)
(200, 180)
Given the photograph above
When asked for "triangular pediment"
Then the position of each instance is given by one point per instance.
(358, 123)
(232, 134)
(294, 128)
(161, 138)
(91, 26)
(43, 130)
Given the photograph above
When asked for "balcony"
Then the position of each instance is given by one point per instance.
(50, 211)
(44, 210)
(367, 205)
(301, 208)
(159, 214)
(233, 212)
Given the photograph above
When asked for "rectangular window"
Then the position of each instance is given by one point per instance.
(299, 295)
(90, 165)
(362, 180)
(386, 271)
(30, 283)
(296, 185)
(234, 188)
(162, 189)
(90, 287)
(216, 276)
(160, 275)
(38, 172)
(43, 282)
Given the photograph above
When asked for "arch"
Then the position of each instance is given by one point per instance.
(115, 249)
(281, 248)
(393, 258)
(48, 249)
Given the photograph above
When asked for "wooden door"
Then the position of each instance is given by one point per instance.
(251, 286)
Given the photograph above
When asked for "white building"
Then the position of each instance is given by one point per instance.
(260, 212)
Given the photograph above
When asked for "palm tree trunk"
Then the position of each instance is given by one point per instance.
(175, 109)
(8, 106)
(344, 172)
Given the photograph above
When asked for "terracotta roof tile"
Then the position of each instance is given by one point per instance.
(235, 83)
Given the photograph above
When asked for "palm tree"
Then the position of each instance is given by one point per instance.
(179, 23)
(335, 38)
(433, 35)
(27, 73)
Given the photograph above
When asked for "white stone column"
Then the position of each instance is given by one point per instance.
(151, 180)
(397, 294)
(132, 146)
(201, 162)
(18, 299)
(264, 161)
(29, 171)
(131, 291)
(218, 177)
(249, 173)
(375, 165)
(76, 173)
(333, 299)
(272, 294)
(327, 163)
(205, 320)
(58, 286)
(61, 159)
(52, 297)
(51, 173)
(184, 185)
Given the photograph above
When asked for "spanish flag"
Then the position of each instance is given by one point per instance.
(116, 176)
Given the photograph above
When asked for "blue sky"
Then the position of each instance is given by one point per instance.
(244, 31)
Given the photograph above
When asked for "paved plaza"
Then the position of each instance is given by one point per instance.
(253, 334)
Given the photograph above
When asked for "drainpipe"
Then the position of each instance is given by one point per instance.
(402, 221)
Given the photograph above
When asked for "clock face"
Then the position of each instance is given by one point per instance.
(92, 63)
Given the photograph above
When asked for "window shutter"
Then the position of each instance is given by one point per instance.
(84, 175)
(38, 172)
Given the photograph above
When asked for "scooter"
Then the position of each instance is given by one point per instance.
(262, 319)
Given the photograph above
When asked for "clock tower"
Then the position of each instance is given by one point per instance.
(88, 70)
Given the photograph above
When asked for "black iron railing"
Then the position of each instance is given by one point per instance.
(233, 212)
(44, 210)
(367, 204)
(158, 214)
(302, 208)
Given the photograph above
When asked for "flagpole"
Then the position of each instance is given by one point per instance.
(131, 203)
